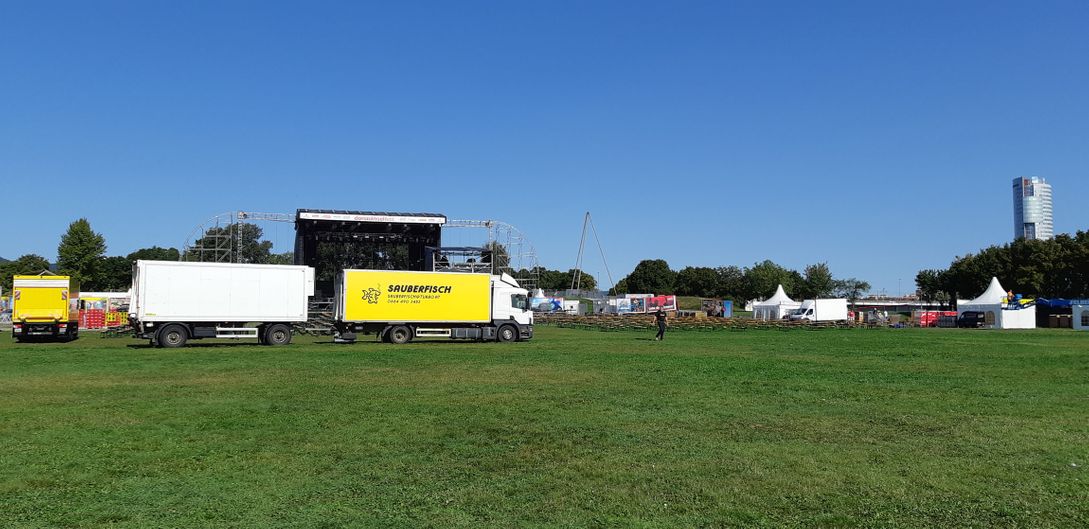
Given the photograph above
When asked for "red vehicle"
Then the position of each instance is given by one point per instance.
(929, 318)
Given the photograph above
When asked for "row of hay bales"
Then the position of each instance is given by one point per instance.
(612, 322)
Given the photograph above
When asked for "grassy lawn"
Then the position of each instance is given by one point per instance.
(875, 428)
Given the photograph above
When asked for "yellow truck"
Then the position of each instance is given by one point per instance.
(42, 308)
(398, 306)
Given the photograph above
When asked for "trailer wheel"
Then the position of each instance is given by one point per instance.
(173, 336)
(507, 333)
(400, 334)
(278, 335)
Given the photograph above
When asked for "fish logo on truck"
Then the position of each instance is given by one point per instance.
(372, 294)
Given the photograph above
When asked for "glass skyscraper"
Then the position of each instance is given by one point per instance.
(1032, 209)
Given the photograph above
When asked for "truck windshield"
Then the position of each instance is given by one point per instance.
(518, 301)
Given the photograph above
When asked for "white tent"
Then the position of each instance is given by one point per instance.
(996, 314)
(775, 307)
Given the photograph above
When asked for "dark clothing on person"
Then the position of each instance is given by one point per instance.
(660, 317)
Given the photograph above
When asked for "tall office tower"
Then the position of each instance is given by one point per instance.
(1032, 218)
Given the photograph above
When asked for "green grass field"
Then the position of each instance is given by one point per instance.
(824, 428)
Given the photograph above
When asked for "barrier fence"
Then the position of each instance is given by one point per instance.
(623, 323)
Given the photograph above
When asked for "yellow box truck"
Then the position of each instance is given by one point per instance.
(42, 308)
(398, 306)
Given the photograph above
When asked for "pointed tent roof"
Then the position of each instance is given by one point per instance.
(780, 297)
(994, 294)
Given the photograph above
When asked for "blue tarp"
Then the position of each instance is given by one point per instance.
(1061, 303)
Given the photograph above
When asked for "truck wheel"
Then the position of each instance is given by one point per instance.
(278, 335)
(507, 333)
(400, 334)
(173, 336)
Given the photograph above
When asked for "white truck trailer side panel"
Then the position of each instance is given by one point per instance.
(830, 309)
(220, 292)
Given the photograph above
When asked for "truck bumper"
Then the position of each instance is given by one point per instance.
(139, 330)
(36, 329)
(525, 332)
(65, 330)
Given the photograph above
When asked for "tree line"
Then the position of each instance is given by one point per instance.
(1054, 268)
(759, 281)
(81, 254)
(557, 280)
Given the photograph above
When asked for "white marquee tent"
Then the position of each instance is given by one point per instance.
(775, 307)
(996, 315)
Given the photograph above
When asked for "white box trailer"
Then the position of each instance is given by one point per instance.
(814, 310)
(173, 302)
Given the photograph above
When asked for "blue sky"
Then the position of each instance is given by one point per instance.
(881, 137)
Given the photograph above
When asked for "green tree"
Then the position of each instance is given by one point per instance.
(850, 288)
(242, 240)
(817, 282)
(731, 284)
(1032, 263)
(155, 253)
(284, 258)
(115, 274)
(556, 280)
(763, 278)
(621, 287)
(697, 281)
(28, 264)
(651, 276)
(552, 279)
(250, 248)
(931, 286)
(585, 282)
(1070, 278)
(1055, 268)
(80, 253)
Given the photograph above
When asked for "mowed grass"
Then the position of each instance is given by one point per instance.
(892, 428)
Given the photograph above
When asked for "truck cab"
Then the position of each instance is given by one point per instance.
(804, 313)
(511, 302)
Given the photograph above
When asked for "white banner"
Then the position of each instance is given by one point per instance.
(350, 217)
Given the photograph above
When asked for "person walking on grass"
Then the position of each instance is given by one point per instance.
(660, 317)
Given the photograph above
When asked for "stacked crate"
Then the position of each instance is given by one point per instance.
(116, 319)
(92, 319)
